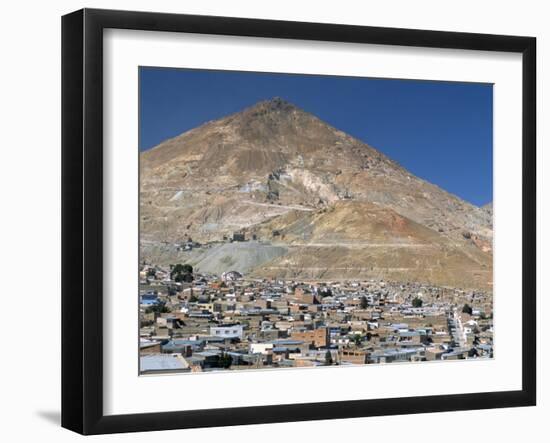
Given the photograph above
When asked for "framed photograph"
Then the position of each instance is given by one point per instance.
(268, 221)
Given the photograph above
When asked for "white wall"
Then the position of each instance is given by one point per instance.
(30, 212)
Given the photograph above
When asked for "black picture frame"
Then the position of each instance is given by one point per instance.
(82, 218)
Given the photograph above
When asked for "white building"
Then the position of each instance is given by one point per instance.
(227, 331)
(261, 348)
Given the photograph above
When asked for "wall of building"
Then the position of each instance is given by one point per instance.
(317, 337)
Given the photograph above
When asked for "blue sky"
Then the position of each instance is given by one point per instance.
(440, 131)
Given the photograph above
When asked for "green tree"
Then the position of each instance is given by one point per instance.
(225, 360)
(159, 308)
(187, 278)
(364, 302)
(417, 303)
(467, 309)
(328, 358)
(357, 339)
(181, 273)
(180, 268)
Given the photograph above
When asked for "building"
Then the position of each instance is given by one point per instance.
(317, 338)
(261, 348)
(287, 323)
(227, 331)
(231, 276)
(353, 356)
(149, 347)
(238, 236)
(182, 346)
(163, 364)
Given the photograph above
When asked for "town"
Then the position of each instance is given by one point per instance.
(192, 322)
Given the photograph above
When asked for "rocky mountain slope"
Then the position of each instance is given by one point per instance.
(338, 207)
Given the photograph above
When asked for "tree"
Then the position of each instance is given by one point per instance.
(179, 268)
(328, 358)
(225, 360)
(187, 278)
(357, 339)
(467, 309)
(159, 308)
(417, 303)
(364, 302)
(181, 273)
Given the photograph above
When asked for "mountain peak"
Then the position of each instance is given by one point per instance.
(275, 104)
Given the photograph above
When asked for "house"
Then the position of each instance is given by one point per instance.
(434, 353)
(304, 295)
(261, 348)
(285, 346)
(149, 347)
(207, 359)
(409, 338)
(238, 236)
(149, 299)
(231, 276)
(182, 346)
(353, 356)
(318, 338)
(163, 364)
(227, 331)
(392, 355)
(458, 354)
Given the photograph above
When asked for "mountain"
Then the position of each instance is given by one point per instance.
(331, 205)
(362, 240)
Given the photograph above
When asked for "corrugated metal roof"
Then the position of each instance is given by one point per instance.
(161, 363)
